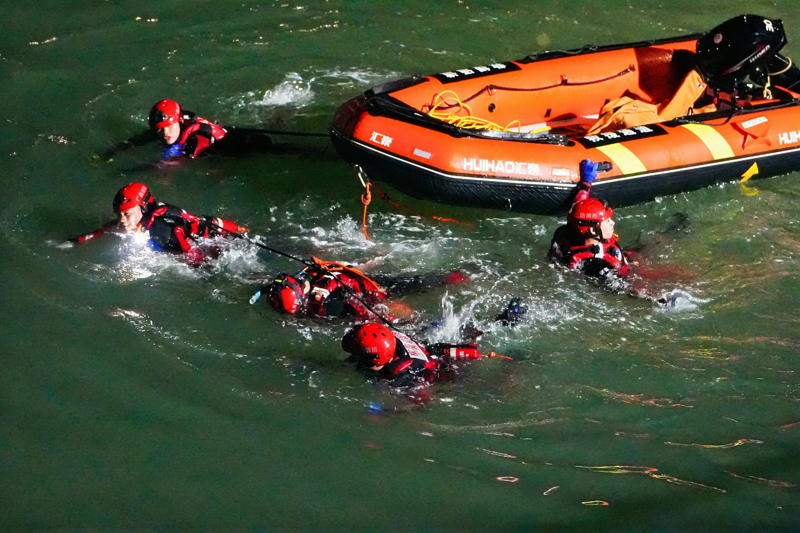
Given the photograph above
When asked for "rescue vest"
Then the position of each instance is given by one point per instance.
(198, 135)
(609, 252)
(170, 227)
(409, 358)
(329, 280)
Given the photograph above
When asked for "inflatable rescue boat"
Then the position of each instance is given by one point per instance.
(669, 115)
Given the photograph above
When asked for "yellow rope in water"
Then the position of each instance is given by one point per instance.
(468, 121)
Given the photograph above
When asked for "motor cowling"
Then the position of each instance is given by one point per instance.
(736, 48)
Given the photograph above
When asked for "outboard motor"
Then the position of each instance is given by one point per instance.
(738, 48)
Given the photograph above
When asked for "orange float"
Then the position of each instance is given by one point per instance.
(669, 116)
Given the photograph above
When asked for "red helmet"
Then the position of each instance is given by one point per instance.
(164, 113)
(130, 196)
(286, 294)
(373, 343)
(587, 214)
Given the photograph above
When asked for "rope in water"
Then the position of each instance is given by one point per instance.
(366, 198)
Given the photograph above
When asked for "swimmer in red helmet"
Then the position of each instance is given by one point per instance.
(169, 228)
(587, 242)
(189, 136)
(186, 134)
(400, 362)
(327, 289)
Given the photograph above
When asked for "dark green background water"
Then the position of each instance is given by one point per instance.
(137, 393)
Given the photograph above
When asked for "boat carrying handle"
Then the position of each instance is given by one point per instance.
(604, 166)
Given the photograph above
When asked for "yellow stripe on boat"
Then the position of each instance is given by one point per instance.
(623, 158)
(720, 149)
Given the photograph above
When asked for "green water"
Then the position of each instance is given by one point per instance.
(138, 393)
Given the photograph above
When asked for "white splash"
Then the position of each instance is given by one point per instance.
(297, 90)
(292, 91)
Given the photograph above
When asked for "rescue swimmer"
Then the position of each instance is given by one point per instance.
(587, 242)
(168, 228)
(188, 136)
(394, 359)
(330, 289)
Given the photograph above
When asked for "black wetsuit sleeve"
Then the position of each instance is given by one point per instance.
(162, 234)
(242, 141)
(407, 380)
(336, 306)
(558, 245)
(607, 276)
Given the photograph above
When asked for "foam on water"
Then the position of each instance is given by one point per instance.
(298, 90)
(294, 91)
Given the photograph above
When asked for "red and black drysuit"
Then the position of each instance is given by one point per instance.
(339, 290)
(171, 229)
(604, 262)
(197, 136)
(414, 365)
(200, 136)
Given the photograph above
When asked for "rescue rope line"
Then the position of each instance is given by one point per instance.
(391, 202)
(310, 264)
(366, 198)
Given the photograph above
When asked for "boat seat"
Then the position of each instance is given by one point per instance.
(661, 72)
(661, 100)
(660, 75)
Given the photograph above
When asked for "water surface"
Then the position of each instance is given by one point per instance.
(140, 393)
